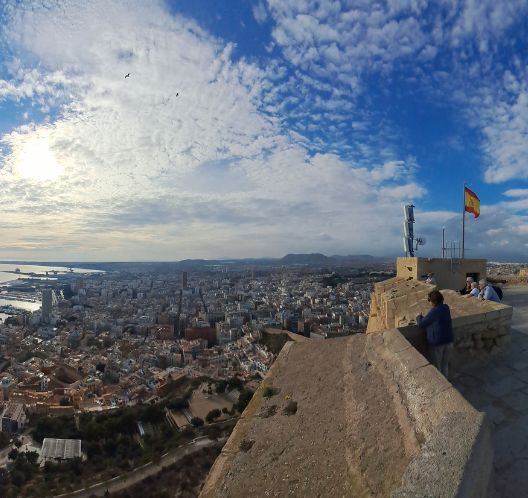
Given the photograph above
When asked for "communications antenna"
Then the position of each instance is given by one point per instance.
(410, 244)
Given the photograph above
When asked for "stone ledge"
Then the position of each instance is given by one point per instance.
(456, 462)
(371, 409)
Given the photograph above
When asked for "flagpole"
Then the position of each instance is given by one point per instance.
(464, 221)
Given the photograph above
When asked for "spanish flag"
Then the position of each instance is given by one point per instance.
(471, 202)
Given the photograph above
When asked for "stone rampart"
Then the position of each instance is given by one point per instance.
(365, 415)
(479, 327)
(449, 273)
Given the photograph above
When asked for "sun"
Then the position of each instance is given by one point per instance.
(36, 161)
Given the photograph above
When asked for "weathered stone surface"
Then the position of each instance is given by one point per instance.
(455, 462)
(477, 325)
(353, 439)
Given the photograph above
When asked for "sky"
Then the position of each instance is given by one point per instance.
(260, 128)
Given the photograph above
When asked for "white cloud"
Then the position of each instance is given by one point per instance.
(365, 36)
(259, 12)
(516, 192)
(150, 174)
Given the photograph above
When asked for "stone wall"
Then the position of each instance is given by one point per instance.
(456, 455)
(449, 274)
(372, 418)
(479, 327)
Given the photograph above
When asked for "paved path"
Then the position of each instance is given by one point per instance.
(139, 473)
(500, 388)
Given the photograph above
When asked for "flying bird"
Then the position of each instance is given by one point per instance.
(177, 94)
(127, 75)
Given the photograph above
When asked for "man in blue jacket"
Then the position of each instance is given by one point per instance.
(439, 330)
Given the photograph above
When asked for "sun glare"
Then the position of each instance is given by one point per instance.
(36, 161)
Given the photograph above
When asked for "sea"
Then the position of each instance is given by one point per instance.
(6, 276)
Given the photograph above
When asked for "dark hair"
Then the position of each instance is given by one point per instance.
(435, 297)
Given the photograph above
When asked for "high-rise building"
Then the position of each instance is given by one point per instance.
(184, 280)
(47, 302)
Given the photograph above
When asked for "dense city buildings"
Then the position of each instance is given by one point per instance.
(110, 339)
(167, 352)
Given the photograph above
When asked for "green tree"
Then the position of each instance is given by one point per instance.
(4, 439)
(18, 478)
(32, 457)
(243, 399)
(213, 414)
(197, 421)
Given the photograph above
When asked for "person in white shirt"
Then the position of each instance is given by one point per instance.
(487, 292)
(475, 291)
(430, 279)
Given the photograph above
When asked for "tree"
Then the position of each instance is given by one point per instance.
(17, 443)
(32, 457)
(213, 414)
(12, 455)
(4, 439)
(235, 383)
(197, 421)
(18, 478)
(243, 399)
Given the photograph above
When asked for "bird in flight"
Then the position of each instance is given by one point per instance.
(177, 94)
(127, 75)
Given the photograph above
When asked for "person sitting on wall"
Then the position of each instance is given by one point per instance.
(487, 292)
(439, 331)
(467, 289)
(431, 280)
(475, 291)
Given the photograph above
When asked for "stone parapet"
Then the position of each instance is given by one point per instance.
(365, 415)
(479, 327)
(456, 461)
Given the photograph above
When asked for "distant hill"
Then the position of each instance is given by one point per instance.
(313, 259)
(304, 259)
(320, 259)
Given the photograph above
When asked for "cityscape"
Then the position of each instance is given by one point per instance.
(172, 354)
(263, 248)
(195, 344)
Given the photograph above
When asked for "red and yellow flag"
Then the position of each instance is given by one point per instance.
(471, 202)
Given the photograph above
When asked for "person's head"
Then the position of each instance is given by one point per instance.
(482, 284)
(435, 298)
(469, 281)
(474, 285)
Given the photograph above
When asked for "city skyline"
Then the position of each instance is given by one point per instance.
(257, 129)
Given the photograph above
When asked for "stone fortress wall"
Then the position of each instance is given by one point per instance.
(372, 418)
(449, 273)
(479, 327)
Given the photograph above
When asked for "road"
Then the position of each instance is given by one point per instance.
(139, 473)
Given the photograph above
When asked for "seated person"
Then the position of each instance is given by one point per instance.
(487, 292)
(475, 291)
(467, 288)
(430, 279)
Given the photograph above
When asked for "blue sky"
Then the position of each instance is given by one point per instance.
(299, 126)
